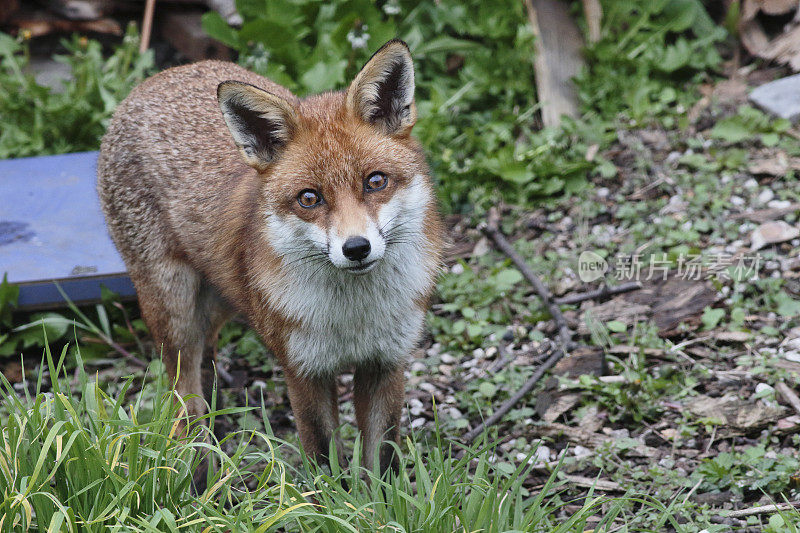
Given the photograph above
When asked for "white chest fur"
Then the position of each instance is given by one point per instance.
(354, 320)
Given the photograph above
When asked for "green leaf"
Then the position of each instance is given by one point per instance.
(732, 130)
(9, 294)
(217, 28)
(507, 278)
(324, 76)
(711, 317)
(488, 389)
(787, 306)
(770, 139)
(616, 326)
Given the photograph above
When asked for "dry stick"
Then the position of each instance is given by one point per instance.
(773, 508)
(147, 25)
(511, 402)
(602, 292)
(122, 351)
(492, 230)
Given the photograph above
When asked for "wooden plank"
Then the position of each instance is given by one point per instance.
(557, 58)
(52, 230)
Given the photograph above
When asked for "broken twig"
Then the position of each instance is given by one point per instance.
(598, 294)
(763, 509)
(511, 402)
(492, 230)
(122, 351)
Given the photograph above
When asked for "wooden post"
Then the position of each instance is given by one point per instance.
(593, 13)
(557, 58)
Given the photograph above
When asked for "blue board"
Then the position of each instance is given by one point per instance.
(52, 230)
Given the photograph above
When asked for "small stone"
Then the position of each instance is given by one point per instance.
(737, 200)
(428, 387)
(765, 196)
(434, 350)
(543, 454)
(415, 407)
(750, 184)
(491, 351)
(792, 356)
(481, 248)
(602, 192)
(580, 451)
(458, 268)
(779, 204)
(764, 388)
(479, 353)
(454, 413)
(418, 367)
(772, 232)
(448, 359)
(780, 97)
(417, 423)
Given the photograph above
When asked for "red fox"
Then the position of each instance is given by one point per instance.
(321, 229)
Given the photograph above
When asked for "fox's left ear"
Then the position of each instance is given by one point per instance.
(382, 94)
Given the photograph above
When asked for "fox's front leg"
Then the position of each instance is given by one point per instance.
(378, 397)
(315, 404)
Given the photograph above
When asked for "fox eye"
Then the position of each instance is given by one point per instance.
(375, 182)
(309, 198)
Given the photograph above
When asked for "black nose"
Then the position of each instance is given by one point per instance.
(356, 248)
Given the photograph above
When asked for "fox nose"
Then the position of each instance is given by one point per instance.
(356, 248)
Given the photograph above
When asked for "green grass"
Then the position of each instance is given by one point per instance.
(78, 459)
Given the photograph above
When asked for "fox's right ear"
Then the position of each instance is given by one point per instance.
(260, 122)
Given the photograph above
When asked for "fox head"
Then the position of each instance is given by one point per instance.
(344, 185)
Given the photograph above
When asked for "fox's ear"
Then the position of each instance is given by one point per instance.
(260, 122)
(383, 92)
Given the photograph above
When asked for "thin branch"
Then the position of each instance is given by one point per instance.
(598, 294)
(492, 230)
(122, 351)
(511, 402)
(763, 509)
